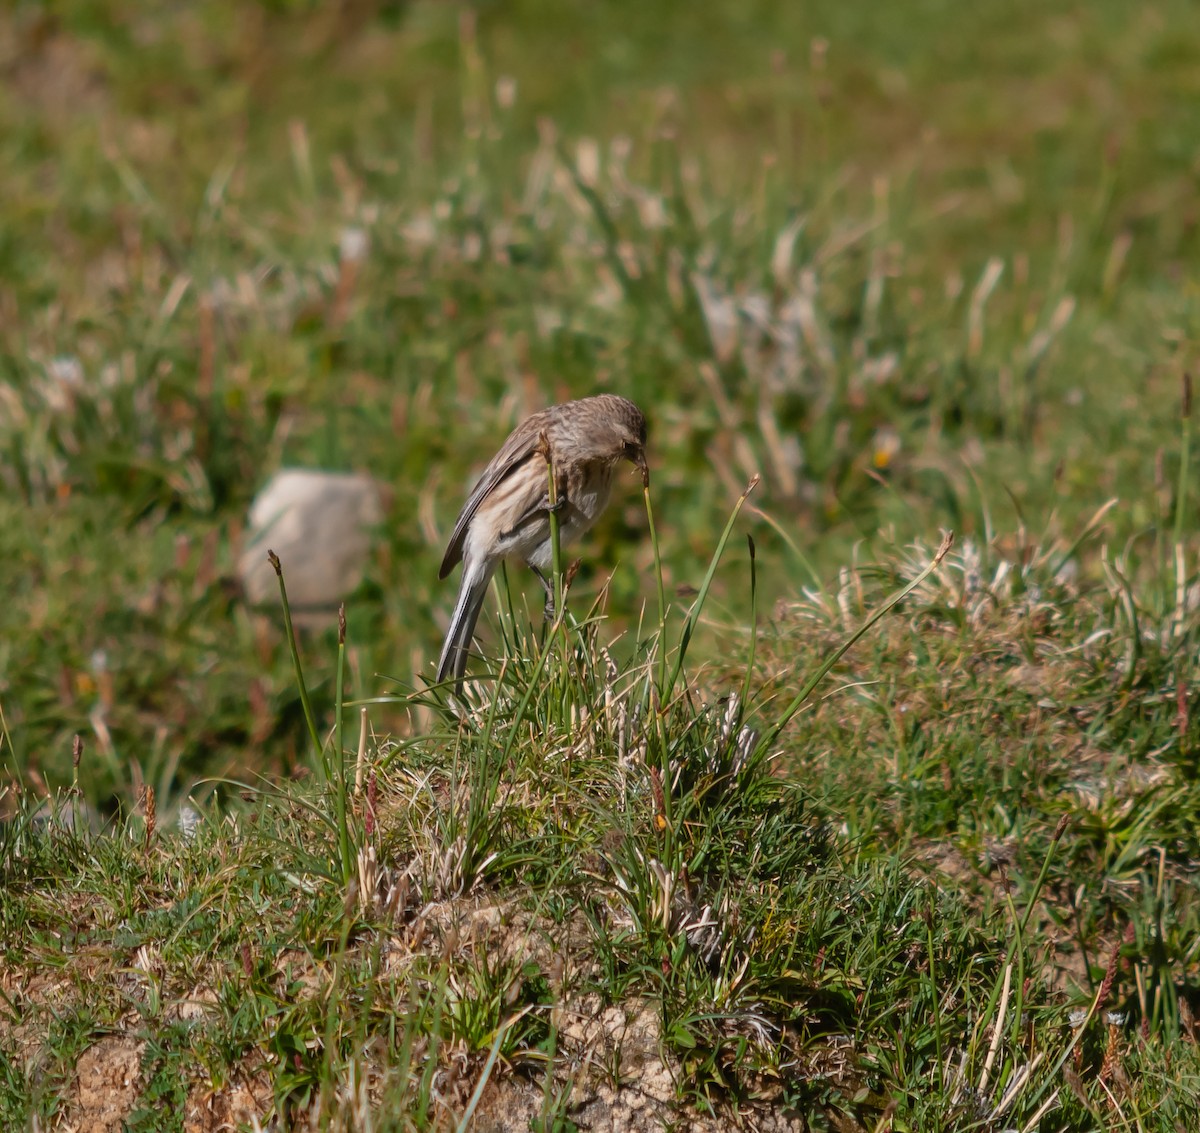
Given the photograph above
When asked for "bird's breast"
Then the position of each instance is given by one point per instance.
(587, 488)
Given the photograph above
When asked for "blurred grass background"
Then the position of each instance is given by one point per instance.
(921, 265)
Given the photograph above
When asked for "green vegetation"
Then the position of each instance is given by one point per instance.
(917, 267)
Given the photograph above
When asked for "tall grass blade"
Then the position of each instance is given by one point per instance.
(822, 671)
(305, 702)
(693, 617)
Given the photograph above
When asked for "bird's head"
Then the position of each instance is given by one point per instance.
(629, 426)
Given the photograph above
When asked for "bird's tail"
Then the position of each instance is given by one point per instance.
(471, 591)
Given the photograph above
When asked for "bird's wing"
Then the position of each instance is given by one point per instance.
(520, 446)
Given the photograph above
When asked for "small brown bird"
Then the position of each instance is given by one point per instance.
(507, 514)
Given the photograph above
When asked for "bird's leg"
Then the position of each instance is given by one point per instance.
(548, 586)
(560, 502)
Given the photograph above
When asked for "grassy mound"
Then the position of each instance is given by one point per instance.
(954, 892)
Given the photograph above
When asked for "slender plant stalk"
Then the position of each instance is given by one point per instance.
(1015, 953)
(667, 683)
(433, 1061)
(1016, 949)
(483, 783)
(753, 627)
(931, 952)
(76, 759)
(658, 574)
(788, 541)
(485, 1074)
(555, 543)
(309, 718)
(1185, 445)
(335, 782)
(1088, 529)
(523, 706)
(693, 617)
(890, 604)
(1036, 892)
(660, 723)
(1080, 1030)
(1124, 591)
(332, 1017)
(339, 754)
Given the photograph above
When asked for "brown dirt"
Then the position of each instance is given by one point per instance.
(237, 1103)
(106, 1087)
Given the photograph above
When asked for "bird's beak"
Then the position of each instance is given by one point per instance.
(639, 462)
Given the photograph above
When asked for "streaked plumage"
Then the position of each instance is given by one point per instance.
(506, 515)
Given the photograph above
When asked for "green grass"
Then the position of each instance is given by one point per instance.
(965, 914)
(193, 296)
(916, 269)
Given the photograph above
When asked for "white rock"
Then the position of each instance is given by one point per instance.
(320, 524)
